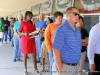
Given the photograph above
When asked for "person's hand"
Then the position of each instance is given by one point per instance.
(19, 37)
(35, 34)
(5, 25)
(26, 34)
(92, 67)
(60, 69)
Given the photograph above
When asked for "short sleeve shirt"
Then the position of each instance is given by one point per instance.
(68, 42)
(16, 26)
(84, 34)
(6, 27)
(41, 24)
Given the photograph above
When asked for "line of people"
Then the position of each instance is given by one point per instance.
(6, 32)
(64, 44)
(77, 42)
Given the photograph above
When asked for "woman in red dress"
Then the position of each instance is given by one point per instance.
(28, 44)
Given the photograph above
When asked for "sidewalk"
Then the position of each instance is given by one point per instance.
(8, 67)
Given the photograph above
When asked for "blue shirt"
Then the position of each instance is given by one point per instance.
(68, 41)
(16, 26)
(41, 24)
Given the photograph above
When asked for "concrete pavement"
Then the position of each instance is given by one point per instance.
(8, 67)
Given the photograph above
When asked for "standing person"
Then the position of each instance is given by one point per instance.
(93, 50)
(14, 19)
(1, 31)
(43, 52)
(39, 25)
(33, 21)
(49, 21)
(12, 31)
(6, 25)
(67, 45)
(49, 36)
(84, 37)
(16, 39)
(28, 44)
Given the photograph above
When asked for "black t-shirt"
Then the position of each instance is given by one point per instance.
(84, 34)
(8, 24)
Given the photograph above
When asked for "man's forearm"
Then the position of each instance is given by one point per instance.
(21, 33)
(17, 34)
(57, 58)
(39, 29)
(84, 44)
(85, 40)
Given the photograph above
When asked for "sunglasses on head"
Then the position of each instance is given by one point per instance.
(76, 14)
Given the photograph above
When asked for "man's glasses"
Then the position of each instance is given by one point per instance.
(76, 14)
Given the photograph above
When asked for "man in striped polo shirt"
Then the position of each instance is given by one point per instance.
(67, 45)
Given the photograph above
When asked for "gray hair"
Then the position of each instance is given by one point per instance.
(19, 15)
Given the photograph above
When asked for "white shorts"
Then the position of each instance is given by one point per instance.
(1, 34)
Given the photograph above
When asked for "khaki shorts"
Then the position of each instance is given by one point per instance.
(67, 70)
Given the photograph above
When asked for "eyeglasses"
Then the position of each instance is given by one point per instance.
(76, 14)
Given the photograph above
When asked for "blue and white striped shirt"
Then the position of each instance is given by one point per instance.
(68, 41)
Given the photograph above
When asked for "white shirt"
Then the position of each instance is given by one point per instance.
(94, 43)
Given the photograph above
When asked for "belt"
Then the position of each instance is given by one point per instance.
(97, 54)
(71, 64)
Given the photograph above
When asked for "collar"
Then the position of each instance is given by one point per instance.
(68, 25)
(41, 21)
(26, 21)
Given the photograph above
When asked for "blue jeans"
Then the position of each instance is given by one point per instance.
(51, 59)
(38, 47)
(12, 42)
(0, 40)
(5, 35)
(9, 33)
(17, 48)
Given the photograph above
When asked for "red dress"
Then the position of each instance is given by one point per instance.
(27, 43)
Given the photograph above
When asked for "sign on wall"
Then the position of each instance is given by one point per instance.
(62, 5)
(89, 6)
(46, 7)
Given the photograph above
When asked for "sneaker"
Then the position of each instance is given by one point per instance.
(1, 44)
(5, 42)
(19, 60)
(14, 60)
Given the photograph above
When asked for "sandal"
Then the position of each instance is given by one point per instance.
(36, 71)
(25, 72)
(42, 70)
